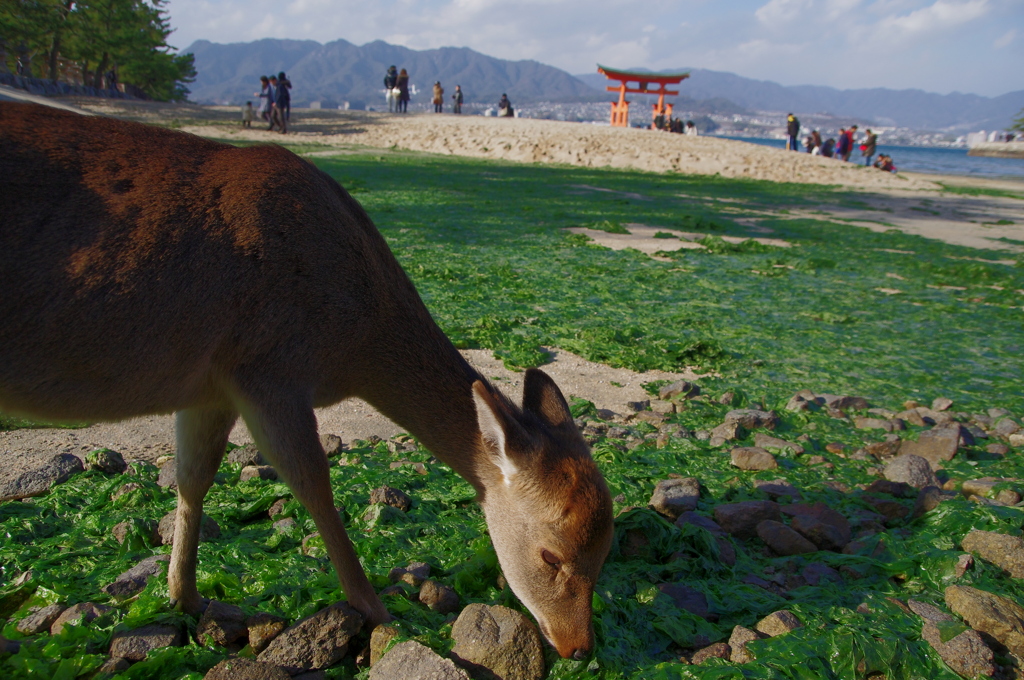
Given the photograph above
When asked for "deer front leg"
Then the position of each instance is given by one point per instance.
(202, 437)
(286, 433)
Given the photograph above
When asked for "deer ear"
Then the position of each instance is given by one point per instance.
(494, 423)
(542, 398)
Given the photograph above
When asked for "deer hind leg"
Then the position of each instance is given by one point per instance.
(286, 433)
(202, 435)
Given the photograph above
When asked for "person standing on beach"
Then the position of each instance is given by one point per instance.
(438, 97)
(867, 149)
(286, 85)
(793, 130)
(457, 106)
(266, 96)
(390, 83)
(841, 144)
(505, 107)
(276, 118)
(851, 138)
(403, 91)
(247, 115)
(815, 145)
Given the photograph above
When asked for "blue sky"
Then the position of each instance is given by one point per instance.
(935, 45)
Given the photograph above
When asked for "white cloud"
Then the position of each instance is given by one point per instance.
(1005, 39)
(781, 12)
(939, 16)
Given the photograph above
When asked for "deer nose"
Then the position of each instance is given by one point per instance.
(580, 654)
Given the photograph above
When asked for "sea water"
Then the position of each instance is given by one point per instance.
(936, 160)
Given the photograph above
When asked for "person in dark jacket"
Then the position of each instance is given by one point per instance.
(828, 148)
(286, 86)
(390, 82)
(403, 91)
(505, 107)
(457, 106)
(867, 149)
(793, 130)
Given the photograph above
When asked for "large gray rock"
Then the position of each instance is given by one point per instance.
(37, 482)
(1006, 552)
(262, 629)
(966, 653)
(738, 644)
(40, 620)
(106, 460)
(822, 513)
(822, 534)
(134, 580)
(135, 645)
(221, 624)
(412, 661)
(245, 456)
(673, 497)
(208, 528)
(263, 472)
(497, 643)
(911, 469)
(766, 441)
(741, 519)
(315, 642)
(77, 615)
(783, 540)
(168, 477)
(752, 458)
(991, 614)
(245, 669)
(752, 418)
(937, 446)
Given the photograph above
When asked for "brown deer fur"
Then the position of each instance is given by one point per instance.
(149, 271)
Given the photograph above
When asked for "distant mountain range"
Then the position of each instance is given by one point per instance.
(340, 71)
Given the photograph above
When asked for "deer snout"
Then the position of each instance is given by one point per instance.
(572, 643)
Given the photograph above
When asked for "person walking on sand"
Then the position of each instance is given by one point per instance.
(438, 97)
(793, 130)
(867, 149)
(403, 91)
(286, 86)
(248, 115)
(505, 107)
(266, 99)
(390, 82)
(276, 119)
(457, 97)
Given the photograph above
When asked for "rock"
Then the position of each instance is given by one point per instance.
(638, 406)
(78, 614)
(777, 488)
(912, 416)
(414, 574)
(114, 665)
(315, 642)
(844, 402)
(726, 550)
(164, 460)
(750, 418)
(966, 653)
(497, 642)
(862, 423)
(936, 446)
(911, 469)
(991, 614)
(673, 497)
(286, 524)
(983, 487)
(250, 472)
(738, 644)
(816, 573)
(40, 620)
(798, 403)
(752, 458)
(208, 529)
(332, 444)
(121, 530)
(1006, 552)
(277, 508)
(719, 650)
(890, 488)
(245, 669)
(778, 623)
(892, 510)
(134, 580)
(1016, 440)
(688, 599)
(663, 407)
(941, 404)
(927, 500)
(998, 449)
(679, 388)
(262, 628)
(929, 612)
(168, 477)
(728, 432)
(822, 534)
(783, 540)
(106, 460)
(245, 456)
(1006, 427)
(135, 645)
(393, 497)
(963, 563)
(822, 513)
(766, 441)
(741, 519)
(996, 413)
(122, 490)
(222, 624)
(380, 638)
(37, 482)
(411, 660)
(439, 597)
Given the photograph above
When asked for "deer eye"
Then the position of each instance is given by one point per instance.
(550, 558)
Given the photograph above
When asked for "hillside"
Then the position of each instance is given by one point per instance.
(340, 71)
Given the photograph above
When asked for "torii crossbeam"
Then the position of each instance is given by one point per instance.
(620, 109)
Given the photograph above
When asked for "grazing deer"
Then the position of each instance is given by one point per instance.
(151, 271)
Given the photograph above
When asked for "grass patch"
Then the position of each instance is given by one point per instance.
(980, 191)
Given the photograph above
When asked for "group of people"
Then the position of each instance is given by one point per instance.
(275, 103)
(396, 88)
(669, 124)
(840, 149)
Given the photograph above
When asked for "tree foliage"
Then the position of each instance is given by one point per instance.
(1018, 123)
(126, 37)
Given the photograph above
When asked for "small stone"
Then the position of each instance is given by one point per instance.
(40, 620)
(890, 488)
(1016, 440)
(161, 461)
(927, 500)
(414, 574)
(728, 432)
(886, 449)
(277, 508)
(989, 613)
(133, 581)
(941, 404)
(822, 513)
(816, 573)
(913, 417)
(892, 510)
(439, 597)
(208, 529)
(719, 650)
(106, 460)
(637, 406)
(240, 668)
(679, 388)
(1006, 426)
(250, 472)
(115, 664)
(783, 540)
(777, 488)
(738, 644)
(844, 402)
(726, 398)
(1006, 552)
(998, 449)
(135, 645)
(672, 497)
(660, 406)
(688, 599)
(766, 441)
(286, 524)
(410, 659)
(963, 563)
(495, 641)
(929, 612)
(245, 456)
(741, 519)
(752, 458)
(145, 527)
(752, 418)
(911, 469)
(822, 534)
(78, 614)
(380, 638)
(862, 423)
(778, 623)
(58, 470)
(389, 496)
(168, 478)
(332, 444)
(315, 642)
(835, 447)
(127, 488)
(936, 446)
(262, 628)
(222, 624)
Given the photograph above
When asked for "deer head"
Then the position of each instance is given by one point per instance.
(548, 509)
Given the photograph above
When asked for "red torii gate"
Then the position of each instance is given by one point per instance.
(620, 109)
